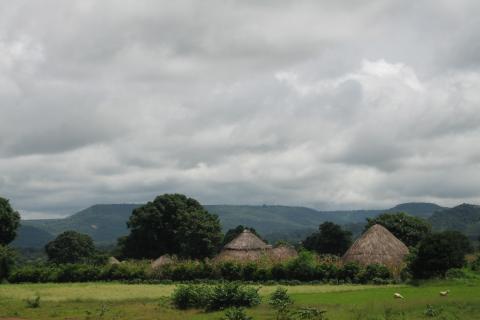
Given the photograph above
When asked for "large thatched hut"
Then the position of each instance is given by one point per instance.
(377, 245)
(245, 247)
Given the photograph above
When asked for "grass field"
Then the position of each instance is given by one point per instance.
(121, 301)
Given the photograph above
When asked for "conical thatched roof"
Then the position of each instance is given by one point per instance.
(113, 260)
(246, 241)
(377, 245)
(163, 260)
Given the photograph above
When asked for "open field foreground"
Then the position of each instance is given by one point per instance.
(121, 301)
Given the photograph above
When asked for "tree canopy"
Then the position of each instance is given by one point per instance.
(330, 239)
(233, 233)
(9, 222)
(70, 247)
(409, 229)
(439, 252)
(172, 224)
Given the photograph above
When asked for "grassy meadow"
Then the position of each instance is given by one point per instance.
(122, 301)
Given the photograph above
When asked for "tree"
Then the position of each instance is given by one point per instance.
(7, 260)
(172, 224)
(70, 247)
(409, 229)
(331, 239)
(439, 252)
(9, 222)
(233, 233)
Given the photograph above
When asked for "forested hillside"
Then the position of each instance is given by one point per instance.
(106, 222)
(464, 218)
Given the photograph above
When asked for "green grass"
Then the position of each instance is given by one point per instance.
(120, 301)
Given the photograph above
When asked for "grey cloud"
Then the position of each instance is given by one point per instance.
(333, 104)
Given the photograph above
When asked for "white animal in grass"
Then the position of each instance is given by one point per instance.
(444, 293)
(397, 295)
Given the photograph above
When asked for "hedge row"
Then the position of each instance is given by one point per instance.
(304, 268)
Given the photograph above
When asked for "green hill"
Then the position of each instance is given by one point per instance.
(106, 222)
(464, 218)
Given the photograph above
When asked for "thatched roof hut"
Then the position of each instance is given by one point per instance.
(283, 252)
(113, 260)
(377, 245)
(245, 247)
(162, 260)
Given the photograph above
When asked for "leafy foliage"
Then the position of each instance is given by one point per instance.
(405, 227)
(281, 302)
(172, 224)
(439, 252)
(236, 314)
(70, 247)
(218, 297)
(7, 261)
(331, 239)
(9, 222)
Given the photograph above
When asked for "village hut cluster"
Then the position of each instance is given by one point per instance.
(376, 246)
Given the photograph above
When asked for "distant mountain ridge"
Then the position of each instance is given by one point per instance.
(464, 218)
(106, 222)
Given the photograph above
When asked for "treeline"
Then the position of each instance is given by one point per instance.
(306, 267)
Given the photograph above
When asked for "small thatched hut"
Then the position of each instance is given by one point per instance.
(162, 260)
(377, 245)
(113, 260)
(283, 252)
(245, 247)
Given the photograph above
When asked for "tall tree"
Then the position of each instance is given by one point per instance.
(409, 229)
(439, 252)
(233, 233)
(172, 224)
(9, 222)
(330, 239)
(70, 247)
(7, 260)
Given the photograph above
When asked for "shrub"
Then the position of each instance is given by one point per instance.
(310, 314)
(456, 273)
(236, 314)
(475, 264)
(303, 267)
(281, 302)
(375, 271)
(349, 271)
(233, 294)
(231, 271)
(33, 302)
(279, 271)
(191, 296)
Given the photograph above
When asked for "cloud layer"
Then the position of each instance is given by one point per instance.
(330, 104)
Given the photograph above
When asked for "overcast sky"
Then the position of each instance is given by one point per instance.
(328, 104)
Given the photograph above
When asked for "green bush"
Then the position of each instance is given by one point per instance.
(236, 314)
(191, 296)
(232, 294)
(281, 302)
(375, 271)
(303, 267)
(231, 271)
(349, 271)
(475, 264)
